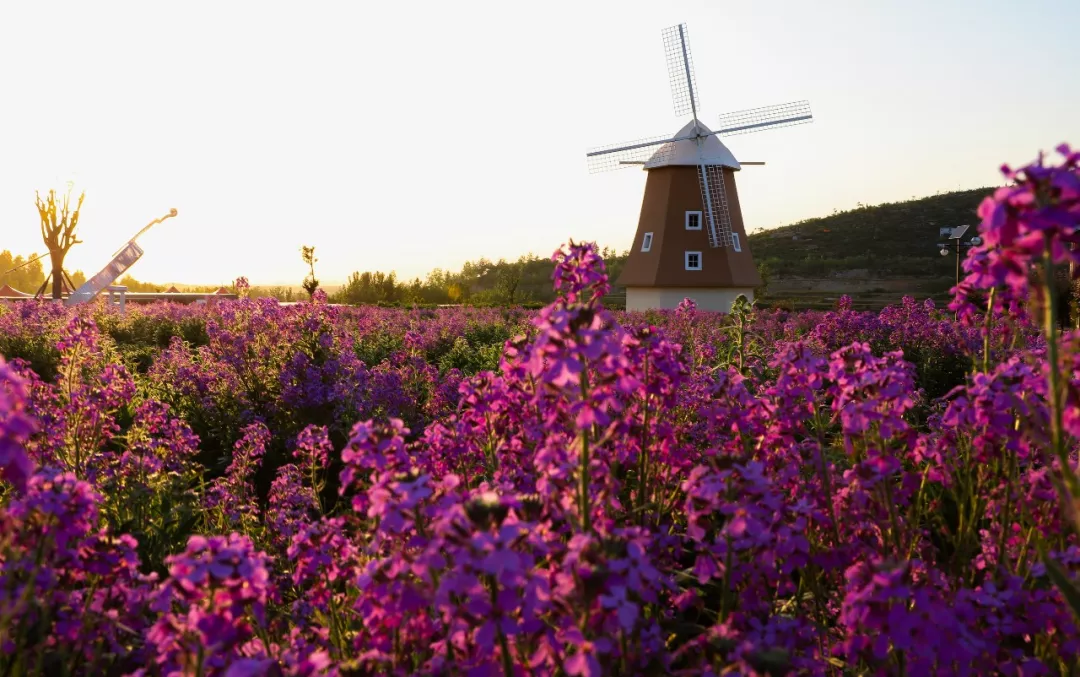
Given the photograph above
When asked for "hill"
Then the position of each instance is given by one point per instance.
(876, 254)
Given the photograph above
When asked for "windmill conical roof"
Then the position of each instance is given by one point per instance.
(8, 290)
(713, 151)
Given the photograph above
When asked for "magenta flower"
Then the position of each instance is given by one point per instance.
(686, 306)
(16, 427)
(567, 491)
(1039, 214)
(217, 588)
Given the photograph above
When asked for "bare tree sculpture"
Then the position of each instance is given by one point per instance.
(310, 283)
(58, 225)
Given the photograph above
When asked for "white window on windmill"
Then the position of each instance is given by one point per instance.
(693, 260)
(693, 220)
(646, 242)
(735, 244)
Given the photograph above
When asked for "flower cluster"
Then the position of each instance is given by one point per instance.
(211, 603)
(15, 427)
(1037, 216)
(574, 491)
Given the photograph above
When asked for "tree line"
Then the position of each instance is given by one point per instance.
(481, 282)
(28, 277)
(16, 272)
(525, 280)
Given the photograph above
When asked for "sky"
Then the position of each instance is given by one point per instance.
(407, 136)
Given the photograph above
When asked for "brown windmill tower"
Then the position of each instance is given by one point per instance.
(691, 241)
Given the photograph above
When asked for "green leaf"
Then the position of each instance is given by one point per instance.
(773, 662)
(1061, 579)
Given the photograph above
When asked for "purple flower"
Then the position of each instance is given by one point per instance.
(16, 427)
(217, 588)
(1039, 213)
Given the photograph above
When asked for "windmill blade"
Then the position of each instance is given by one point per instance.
(714, 197)
(623, 155)
(757, 119)
(681, 70)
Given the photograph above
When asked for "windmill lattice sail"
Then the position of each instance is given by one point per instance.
(757, 119)
(618, 156)
(714, 195)
(671, 257)
(681, 70)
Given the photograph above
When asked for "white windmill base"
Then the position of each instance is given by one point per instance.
(716, 299)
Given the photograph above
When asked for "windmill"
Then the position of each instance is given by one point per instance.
(691, 183)
(123, 259)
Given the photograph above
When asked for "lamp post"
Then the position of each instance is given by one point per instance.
(955, 242)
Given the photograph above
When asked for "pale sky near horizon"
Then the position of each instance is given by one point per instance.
(413, 135)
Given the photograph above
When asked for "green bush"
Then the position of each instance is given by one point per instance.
(471, 359)
(37, 349)
(376, 346)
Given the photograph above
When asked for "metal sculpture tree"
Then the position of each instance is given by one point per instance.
(58, 223)
(310, 283)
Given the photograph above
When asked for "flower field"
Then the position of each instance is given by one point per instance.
(255, 489)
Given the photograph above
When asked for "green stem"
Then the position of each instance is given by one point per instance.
(643, 454)
(17, 635)
(583, 489)
(894, 521)
(507, 661)
(316, 487)
(916, 514)
(1007, 514)
(586, 520)
(335, 623)
(1050, 330)
(826, 479)
(987, 326)
(726, 592)
(76, 654)
(1021, 560)
(724, 603)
